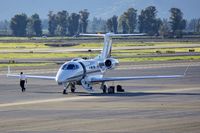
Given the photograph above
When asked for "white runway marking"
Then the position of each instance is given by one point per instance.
(48, 101)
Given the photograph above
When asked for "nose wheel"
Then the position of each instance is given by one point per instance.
(64, 91)
(67, 85)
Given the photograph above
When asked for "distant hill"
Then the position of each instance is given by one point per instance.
(98, 8)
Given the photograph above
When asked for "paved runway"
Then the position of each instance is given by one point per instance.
(153, 106)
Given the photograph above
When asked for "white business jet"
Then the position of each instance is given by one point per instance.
(87, 72)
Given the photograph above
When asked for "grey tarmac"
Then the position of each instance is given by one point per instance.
(153, 106)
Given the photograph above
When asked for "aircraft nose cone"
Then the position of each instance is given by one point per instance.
(60, 78)
(63, 76)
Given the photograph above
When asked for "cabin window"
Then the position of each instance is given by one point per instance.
(70, 67)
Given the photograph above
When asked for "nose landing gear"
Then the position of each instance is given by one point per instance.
(64, 91)
(67, 85)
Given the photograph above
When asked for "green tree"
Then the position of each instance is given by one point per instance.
(131, 19)
(157, 24)
(177, 22)
(122, 24)
(148, 23)
(109, 25)
(52, 23)
(198, 26)
(29, 28)
(5, 27)
(58, 30)
(112, 24)
(18, 24)
(194, 25)
(62, 22)
(84, 15)
(73, 23)
(94, 24)
(115, 23)
(164, 29)
(34, 25)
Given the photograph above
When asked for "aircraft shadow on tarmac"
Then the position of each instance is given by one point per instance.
(134, 94)
(125, 94)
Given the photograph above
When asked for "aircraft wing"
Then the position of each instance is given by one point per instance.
(140, 34)
(107, 79)
(94, 35)
(33, 76)
(30, 76)
(112, 34)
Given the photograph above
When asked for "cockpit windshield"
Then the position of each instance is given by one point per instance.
(70, 67)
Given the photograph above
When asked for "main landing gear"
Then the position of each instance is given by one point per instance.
(111, 89)
(71, 85)
(120, 89)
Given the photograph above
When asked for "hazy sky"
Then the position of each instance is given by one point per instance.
(98, 8)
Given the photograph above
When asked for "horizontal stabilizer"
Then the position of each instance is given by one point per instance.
(112, 35)
(94, 35)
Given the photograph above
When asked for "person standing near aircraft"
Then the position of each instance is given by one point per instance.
(22, 81)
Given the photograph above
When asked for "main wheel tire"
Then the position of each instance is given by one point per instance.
(64, 92)
(104, 89)
(119, 88)
(72, 90)
(111, 90)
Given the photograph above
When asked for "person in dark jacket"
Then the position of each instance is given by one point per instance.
(23, 80)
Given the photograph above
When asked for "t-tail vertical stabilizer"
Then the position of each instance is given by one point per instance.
(106, 53)
(107, 48)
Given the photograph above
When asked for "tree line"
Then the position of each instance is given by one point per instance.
(148, 22)
(63, 23)
(21, 25)
(59, 24)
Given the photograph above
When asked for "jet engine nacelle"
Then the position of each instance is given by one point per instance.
(111, 63)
